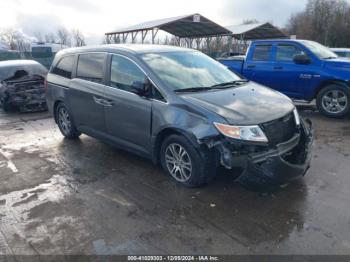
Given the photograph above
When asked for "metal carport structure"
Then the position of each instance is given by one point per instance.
(242, 34)
(189, 27)
(256, 31)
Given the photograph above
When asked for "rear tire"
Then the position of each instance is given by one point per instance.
(65, 122)
(334, 101)
(195, 168)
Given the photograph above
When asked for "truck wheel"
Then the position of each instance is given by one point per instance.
(65, 123)
(334, 101)
(185, 164)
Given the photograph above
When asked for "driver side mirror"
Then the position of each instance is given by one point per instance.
(302, 59)
(141, 88)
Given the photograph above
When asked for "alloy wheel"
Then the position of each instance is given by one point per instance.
(334, 101)
(178, 162)
(64, 120)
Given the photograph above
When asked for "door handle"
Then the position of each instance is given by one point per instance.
(278, 67)
(103, 102)
(251, 66)
(98, 100)
(108, 103)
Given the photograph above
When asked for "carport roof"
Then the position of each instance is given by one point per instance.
(256, 31)
(194, 25)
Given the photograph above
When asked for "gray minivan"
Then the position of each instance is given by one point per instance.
(182, 109)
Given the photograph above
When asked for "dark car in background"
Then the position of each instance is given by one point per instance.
(22, 85)
(181, 109)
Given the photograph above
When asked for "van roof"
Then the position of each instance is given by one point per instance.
(132, 48)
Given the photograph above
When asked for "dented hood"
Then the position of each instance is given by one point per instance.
(248, 104)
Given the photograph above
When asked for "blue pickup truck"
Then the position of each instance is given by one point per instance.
(301, 69)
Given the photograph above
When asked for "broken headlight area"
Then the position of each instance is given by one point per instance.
(272, 164)
(25, 95)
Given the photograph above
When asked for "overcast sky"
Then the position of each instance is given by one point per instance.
(95, 17)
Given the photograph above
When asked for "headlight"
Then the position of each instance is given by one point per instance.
(247, 133)
(296, 117)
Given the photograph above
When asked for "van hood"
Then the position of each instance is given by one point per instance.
(249, 104)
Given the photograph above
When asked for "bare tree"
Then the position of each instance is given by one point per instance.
(64, 36)
(78, 38)
(324, 21)
(9, 37)
(14, 39)
(39, 37)
(250, 21)
(50, 38)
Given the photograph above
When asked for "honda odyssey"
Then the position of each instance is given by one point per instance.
(182, 109)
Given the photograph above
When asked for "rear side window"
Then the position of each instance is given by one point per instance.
(262, 52)
(64, 67)
(90, 67)
(288, 52)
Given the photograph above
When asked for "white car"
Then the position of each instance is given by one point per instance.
(342, 52)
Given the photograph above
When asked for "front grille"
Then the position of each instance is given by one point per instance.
(280, 130)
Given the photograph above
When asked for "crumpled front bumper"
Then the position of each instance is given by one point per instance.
(26, 101)
(278, 166)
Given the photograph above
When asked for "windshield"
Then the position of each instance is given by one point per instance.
(182, 70)
(319, 50)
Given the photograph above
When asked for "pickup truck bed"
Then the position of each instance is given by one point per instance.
(234, 63)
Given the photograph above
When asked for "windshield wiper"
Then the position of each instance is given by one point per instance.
(193, 89)
(231, 83)
(330, 57)
(218, 86)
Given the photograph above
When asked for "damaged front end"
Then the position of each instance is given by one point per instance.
(286, 157)
(26, 94)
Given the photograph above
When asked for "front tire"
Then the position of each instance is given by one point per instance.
(334, 101)
(185, 164)
(65, 122)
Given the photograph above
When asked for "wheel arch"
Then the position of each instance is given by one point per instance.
(168, 131)
(330, 82)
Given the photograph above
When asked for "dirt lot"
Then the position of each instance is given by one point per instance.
(85, 197)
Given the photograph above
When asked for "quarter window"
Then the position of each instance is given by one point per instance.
(64, 67)
(125, 73)
(262, 53)
(287, 52)
(90, 67)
